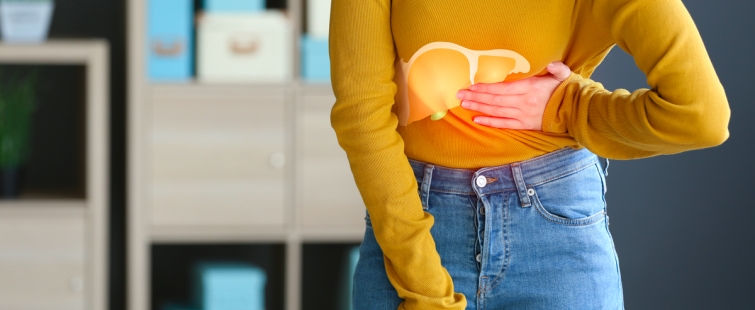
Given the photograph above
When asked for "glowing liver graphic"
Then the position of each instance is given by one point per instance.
(428, 83)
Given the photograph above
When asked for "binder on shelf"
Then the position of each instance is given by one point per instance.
(233, 5)
(318, 18)
(234, 286)
(315, 62)
(170, 43)
(244, 47)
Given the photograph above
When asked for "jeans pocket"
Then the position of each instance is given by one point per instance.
(575, 199)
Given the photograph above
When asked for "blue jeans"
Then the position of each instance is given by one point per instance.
(528, 235)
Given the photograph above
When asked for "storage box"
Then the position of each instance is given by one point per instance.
(244, 47)
(318, 18)
(170, 40)
(248, 6)
(315, 62)
(230, 286)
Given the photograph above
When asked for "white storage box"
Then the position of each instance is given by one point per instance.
(318, 18)
(244, 47)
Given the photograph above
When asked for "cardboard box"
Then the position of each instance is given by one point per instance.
(230, 286)
(318, 18)
(315, 63)
(247, 6)
(170, 55)
(238, 47)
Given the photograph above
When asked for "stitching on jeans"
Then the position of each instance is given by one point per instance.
(451, 192)
(565, 174)
(472, 205)
(590, 220)
(562, 175)
(506, 257)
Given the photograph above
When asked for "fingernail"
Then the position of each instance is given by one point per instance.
(476, 121)
(465, 104)
(460, 95)
(551, 65)
(473, 87)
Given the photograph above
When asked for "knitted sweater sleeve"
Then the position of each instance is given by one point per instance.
(362, 61)
(686, 107)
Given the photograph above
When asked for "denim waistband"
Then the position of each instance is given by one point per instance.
(518, 176)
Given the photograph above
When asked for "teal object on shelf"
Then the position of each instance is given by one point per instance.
(230, 286)
(245, 6)
(315, 59)
(177, 306)
(347, 282)
(170, 45)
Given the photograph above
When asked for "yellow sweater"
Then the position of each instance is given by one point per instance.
(397, 65)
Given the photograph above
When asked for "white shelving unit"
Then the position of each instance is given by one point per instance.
(204, 165)
(53, 251)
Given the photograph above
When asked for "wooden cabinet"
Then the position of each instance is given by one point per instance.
(327, 196)
(217, 159)
(42, 259)
(220, 163)
(53, 247)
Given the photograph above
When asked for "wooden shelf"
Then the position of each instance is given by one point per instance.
(183, 133)
(59, 237)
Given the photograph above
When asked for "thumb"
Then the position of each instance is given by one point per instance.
(559, 70)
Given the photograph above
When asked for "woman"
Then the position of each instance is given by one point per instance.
(474, 146)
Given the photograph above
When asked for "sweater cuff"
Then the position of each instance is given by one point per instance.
(550, 115)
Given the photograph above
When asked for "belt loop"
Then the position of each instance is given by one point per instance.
(521, 187)
(424, 190)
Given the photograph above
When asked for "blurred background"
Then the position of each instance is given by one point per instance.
(144, 167)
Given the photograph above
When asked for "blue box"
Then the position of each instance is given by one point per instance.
(315, 62)
(230, 286)
(233, 5)
(170, 54)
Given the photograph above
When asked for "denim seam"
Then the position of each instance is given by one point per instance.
(425, 187)
(506, 256)
(565, 174)
(452, 192)
(443, 167)
(586, 221)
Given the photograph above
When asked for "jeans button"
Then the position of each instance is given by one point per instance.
(478, 258)
(482, 210)
(481, 181)
(530, 192)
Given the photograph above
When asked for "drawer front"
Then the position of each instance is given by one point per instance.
(41, 263)
(327, 194)
(218, 160)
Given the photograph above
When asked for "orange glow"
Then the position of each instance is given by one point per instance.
(428, 82)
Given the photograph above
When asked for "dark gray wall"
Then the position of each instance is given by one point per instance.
(683, 224)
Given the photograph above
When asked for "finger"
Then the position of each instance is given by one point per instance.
(475, 96)
(559, 70)
(503, 88)
(497, 122)
(492, 110)
(512, 101)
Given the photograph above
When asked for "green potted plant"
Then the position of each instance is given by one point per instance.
(25, 21)
(17, 103)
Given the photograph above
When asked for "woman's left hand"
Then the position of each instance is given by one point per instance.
(514, 105)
